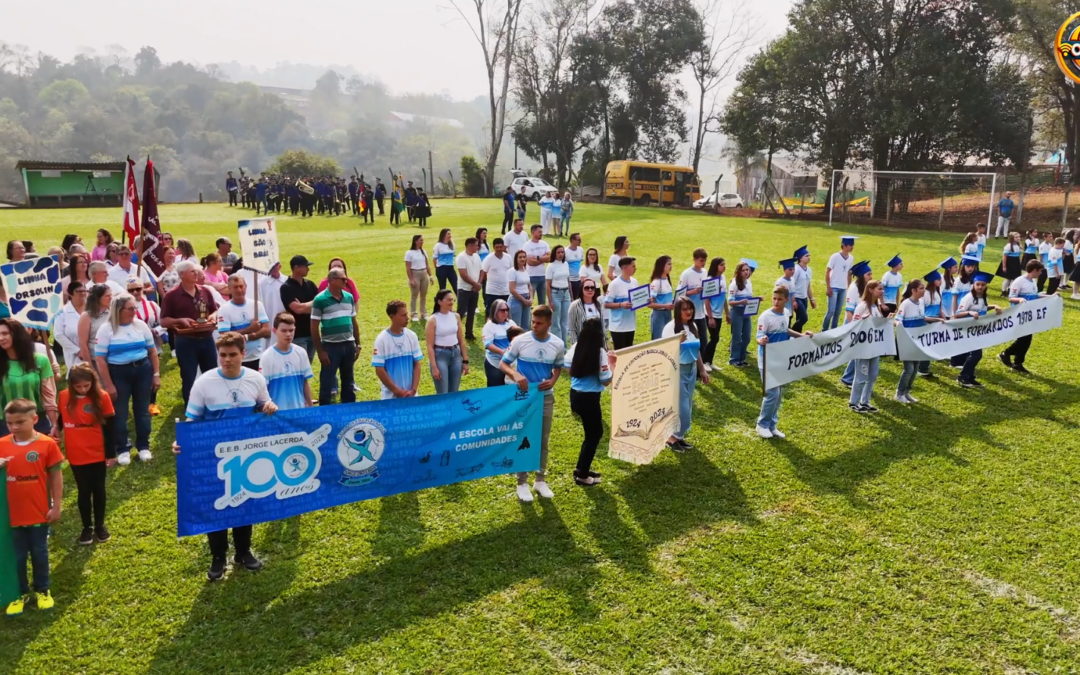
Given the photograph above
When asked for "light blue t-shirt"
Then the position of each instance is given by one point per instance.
(592, 383)
(397, 354)
(536, 359)
(285, 374)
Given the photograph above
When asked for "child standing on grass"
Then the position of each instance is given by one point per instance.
(911, 315)
(35, 493)
(773, 327)
(87, 411)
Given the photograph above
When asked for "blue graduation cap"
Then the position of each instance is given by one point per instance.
(968, 260)
(948, 264)
(751, 263)
(847, 240)
(984, 277)
(895, 261)
(788, 264)
(860, 268)
(932, 277)
(802, 251)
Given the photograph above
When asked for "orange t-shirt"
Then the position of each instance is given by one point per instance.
(28, 476)
(83, 441)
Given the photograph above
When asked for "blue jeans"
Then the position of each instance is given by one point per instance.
(659, 319)
(449, 363)
(967, 373)
(342, 357)
(836, 310)
(770, 408)
(849, 372)
(32, 542)
(193, 353)
(866, 373)
(687, 382)
(305, 342)
(801, 316)
(907, 378)
(741, 329)
(521, 314)
(560, 312)
(539, 285)
(133, 381)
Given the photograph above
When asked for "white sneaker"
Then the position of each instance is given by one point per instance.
(524, 493)
(763, 432)
(414, 317)
(900, 399)
(708, 367)
(778, 434)
(123, 459)
(543, 490)
(910, 398)
(145, 456)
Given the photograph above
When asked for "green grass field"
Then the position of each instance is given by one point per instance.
(937, 538)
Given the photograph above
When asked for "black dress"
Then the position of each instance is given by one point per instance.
(1011, 269)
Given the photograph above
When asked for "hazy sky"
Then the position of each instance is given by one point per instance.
(411, 45)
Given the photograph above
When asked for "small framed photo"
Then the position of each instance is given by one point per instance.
(640, 297)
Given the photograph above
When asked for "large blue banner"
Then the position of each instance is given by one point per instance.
(258, 468)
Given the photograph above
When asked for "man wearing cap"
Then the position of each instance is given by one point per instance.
(837, 280)
(189, 312)
(892, 282)
(801, 288)
(297, 294)
(860, 271)
(1005, 209)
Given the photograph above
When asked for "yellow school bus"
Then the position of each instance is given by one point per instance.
(644, 183)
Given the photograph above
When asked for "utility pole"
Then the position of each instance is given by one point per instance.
(431, 172)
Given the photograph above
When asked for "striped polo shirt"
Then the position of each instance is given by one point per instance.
(335, 317)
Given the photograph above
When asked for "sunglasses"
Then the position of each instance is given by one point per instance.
(588, 288)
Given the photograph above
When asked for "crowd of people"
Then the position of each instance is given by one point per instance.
(542, 309)
(328, 195)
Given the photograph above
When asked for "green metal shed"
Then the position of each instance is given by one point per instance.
(58, 184)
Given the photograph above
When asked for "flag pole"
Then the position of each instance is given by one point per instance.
(764, 367)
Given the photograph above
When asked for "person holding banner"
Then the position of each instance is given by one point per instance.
(1022, 290)
(866, 370)
(931, 304)
(539, 357)
(912, 314)
(623, 321)
(26, 373)
(286, 367)
(1009, 268)
(590, 367)
(127, 363)
(714, 292)
(949, 297)
(691, 367)
(773, 326)
(837, 280)
(801, 287)
(229, 390)
(496, 341)
(891, 283)
(861, 274)
(974, 305)
(448, 355)
(662, 296)
(396, 356)
(740, 293)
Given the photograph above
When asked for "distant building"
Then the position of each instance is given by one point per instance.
(298, 99)
(53, 184)
(398, 120)
(788, 178)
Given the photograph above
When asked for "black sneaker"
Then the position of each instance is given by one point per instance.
(965, 384)
(249, 561)
(1004, 358)
(594, 474)
(976, 384)
(675, 447)
(869, 409)
(217, 569)
(855, 407)
(928, 375)
(849, 385)
(102, 534)
(87, 536)
(685, 445)
(1019, 367)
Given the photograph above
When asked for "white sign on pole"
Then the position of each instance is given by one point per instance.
(258, 244)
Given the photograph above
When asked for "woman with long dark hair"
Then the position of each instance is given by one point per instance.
(663, 296)
(78, 270)
(588, 306)
(483, 249)
(691, 368)
(866, 370)
(520, 290)
(558, 291)
(26, 373)
(104, 238)
(622, 250)
(716, 312)
(974, 304)
(445, 256)
(448, 356)
(590, 371)
(418, 270)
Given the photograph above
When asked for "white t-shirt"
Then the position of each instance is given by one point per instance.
(840, 267)
(536, 249)
(515, 241)
(1025, 288)
(416, 259)
(573, 259)
(495, 334)
(397, 354)
(471, 264)
(969, 304)
(863, 310)
(269, 294)
(800, 282)
(232, 316)
(446, 328)
(613, 262)
(735, 294)
(522, 284)
(622, 320)
(892, 282)
(689, 280)
(497, 270)
(558, 273)
(285, 374)
(120, 276)
(595, 275)
(214, 396)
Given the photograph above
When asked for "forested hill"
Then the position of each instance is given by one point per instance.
(197, 125)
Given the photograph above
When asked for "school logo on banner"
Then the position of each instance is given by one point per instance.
(360, 446)
(286, 465)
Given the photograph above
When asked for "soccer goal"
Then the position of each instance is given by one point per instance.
(924, 199)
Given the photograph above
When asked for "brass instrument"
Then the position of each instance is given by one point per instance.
(304, 187)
